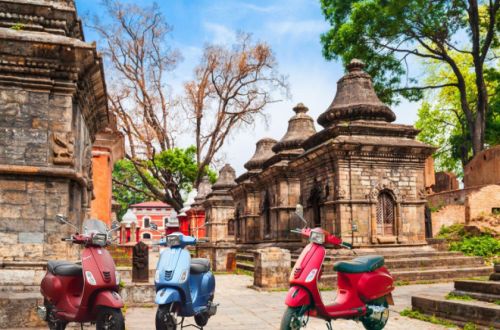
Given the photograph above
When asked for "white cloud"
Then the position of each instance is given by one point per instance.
(220, 34)
(298, 28)
(261, 9)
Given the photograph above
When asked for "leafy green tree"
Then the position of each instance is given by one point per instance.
(163, 178)
(387, 33)
(441, 121)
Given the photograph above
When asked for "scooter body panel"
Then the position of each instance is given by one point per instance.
(175, 283)
(172, 272)
(74, 298)
(354, 290)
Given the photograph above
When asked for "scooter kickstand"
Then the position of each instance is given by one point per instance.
(329, 325)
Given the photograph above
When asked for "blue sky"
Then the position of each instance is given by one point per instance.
(291, 27)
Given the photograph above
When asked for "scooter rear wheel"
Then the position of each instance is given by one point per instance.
(165, 319)
(377, 320)
(292, 319)
(110, 319)
(52, 321)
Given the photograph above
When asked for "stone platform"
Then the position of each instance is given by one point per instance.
(408, 264)
(470, 302)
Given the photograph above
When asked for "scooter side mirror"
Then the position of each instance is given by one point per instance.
(299, 210)
(61, 219)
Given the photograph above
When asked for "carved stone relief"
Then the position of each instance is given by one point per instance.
(63, 148)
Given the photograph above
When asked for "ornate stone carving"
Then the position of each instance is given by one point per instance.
(384, 184)
(63, 148)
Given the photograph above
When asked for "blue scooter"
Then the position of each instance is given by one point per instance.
(184, 286)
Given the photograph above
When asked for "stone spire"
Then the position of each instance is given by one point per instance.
(263, 152)
(300, 127)
(225, 180)
(203, 190)
(355, 99)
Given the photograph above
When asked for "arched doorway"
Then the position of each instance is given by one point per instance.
(386, 218)
(315, 201)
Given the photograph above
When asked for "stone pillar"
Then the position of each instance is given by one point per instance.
(219, 209)
(52, 103)
(272, 268)
(133, 233)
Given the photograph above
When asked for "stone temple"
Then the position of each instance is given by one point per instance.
(52, 103)
(361, 172)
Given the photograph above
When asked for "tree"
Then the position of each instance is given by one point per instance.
(386, 33)
(443, 124)
(229, 89)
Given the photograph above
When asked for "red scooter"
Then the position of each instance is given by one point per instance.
(364, 286)
(85, 291)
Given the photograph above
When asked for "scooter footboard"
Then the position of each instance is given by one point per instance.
(167, 295)
(297, 296)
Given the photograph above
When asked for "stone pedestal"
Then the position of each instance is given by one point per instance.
(221, 255)
(272, 268)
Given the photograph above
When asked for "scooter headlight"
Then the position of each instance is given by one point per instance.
(173, 240)
(317, 237)
(100, 239)
(90, 278)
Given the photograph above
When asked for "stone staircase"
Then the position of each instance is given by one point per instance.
(406, 264)
(471, 302)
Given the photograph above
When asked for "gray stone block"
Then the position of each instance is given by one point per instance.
(30, 238)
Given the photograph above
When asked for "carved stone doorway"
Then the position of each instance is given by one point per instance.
(385, 214)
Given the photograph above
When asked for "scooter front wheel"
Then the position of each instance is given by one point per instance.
(110, 319)
(165, 319)
(293, 319)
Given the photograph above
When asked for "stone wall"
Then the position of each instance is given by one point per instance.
(53, 102)
(463, 206)
(483, 169)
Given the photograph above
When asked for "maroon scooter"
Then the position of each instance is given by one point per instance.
(86, 291)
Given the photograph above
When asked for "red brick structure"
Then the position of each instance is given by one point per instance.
(158, 213)
(483, 169)
(445, 181)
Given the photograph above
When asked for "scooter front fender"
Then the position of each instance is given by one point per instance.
(109, 299)
(297, 296)
(167, 295)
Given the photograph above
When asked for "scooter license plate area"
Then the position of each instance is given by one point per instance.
(389, 299)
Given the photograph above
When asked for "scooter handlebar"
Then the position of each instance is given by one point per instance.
(346, 245)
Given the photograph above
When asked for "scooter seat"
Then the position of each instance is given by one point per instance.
(64, 268)
(199, 265)
(359, 265)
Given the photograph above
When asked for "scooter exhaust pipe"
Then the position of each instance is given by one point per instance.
(42, 312)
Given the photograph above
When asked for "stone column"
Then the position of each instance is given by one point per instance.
(219, 209)
(272, 268)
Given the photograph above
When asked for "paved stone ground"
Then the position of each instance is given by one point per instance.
(242, 308)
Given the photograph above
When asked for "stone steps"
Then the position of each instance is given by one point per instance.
(422, 264)
(488, 291)
(483, 314)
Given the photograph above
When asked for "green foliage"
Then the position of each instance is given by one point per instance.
(363, 29)
(452, 296)
(17, 27)
(422, 317)
(125, 172)
(443, 123)
(470, 326)
(453, 232)
(177, 163)
(482, 246)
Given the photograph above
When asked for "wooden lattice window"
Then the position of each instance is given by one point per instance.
(385, 214)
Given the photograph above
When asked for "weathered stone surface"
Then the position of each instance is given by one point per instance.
(445, 181)
(272, 268)
(483, 169)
